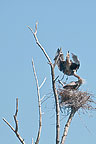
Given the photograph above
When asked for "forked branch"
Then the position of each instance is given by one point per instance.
(16, 123)
(36, 39)
(53, 84)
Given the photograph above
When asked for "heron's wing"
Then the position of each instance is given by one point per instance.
(62, 66)
(60, 63)
(75, 59)
(71, 85)
(61, 55)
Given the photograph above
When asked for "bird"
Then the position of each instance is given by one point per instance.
(74, 85)
(67, 66)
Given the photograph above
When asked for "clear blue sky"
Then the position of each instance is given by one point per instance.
(70, 24)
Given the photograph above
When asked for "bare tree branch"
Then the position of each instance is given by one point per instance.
(53, 84)
(34, 34)
(67, 126)
(42, 83)
(42, 98)
(61, 83)
(32, 140)
(16, 123)
(39, 103)
(8, 124)
(57, 106)
(15, 116)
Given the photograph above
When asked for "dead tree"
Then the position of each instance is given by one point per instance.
(68, 97)
(71, 98)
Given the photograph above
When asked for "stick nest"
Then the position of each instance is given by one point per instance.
(75, 99)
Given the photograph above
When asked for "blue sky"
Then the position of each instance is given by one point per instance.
(69, 24)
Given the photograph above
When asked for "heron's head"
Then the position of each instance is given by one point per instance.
(68, 55)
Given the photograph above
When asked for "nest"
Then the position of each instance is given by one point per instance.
(75, 99)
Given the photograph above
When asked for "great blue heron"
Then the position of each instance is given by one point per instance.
(67, 66)
(73, 85)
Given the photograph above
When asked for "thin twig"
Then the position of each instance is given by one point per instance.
(67, 126)
(56, 78)
(84, 124)
(8, 124)
(53, 84)
(39, 104)
(43, 98)
(32, 140)
(16, 123)
(61, 83)
(42, 83)
(15, 116)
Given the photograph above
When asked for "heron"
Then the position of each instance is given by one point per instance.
(67, 66)
(73, 85)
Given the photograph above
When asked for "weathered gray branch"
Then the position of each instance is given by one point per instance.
(67, 126)
(53, 84)
(39, 104)
(57, 106)
(34, 34)
(16, 123)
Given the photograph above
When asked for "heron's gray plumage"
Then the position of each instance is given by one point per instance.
(67, 66)
(75, 59)
(74, 84)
